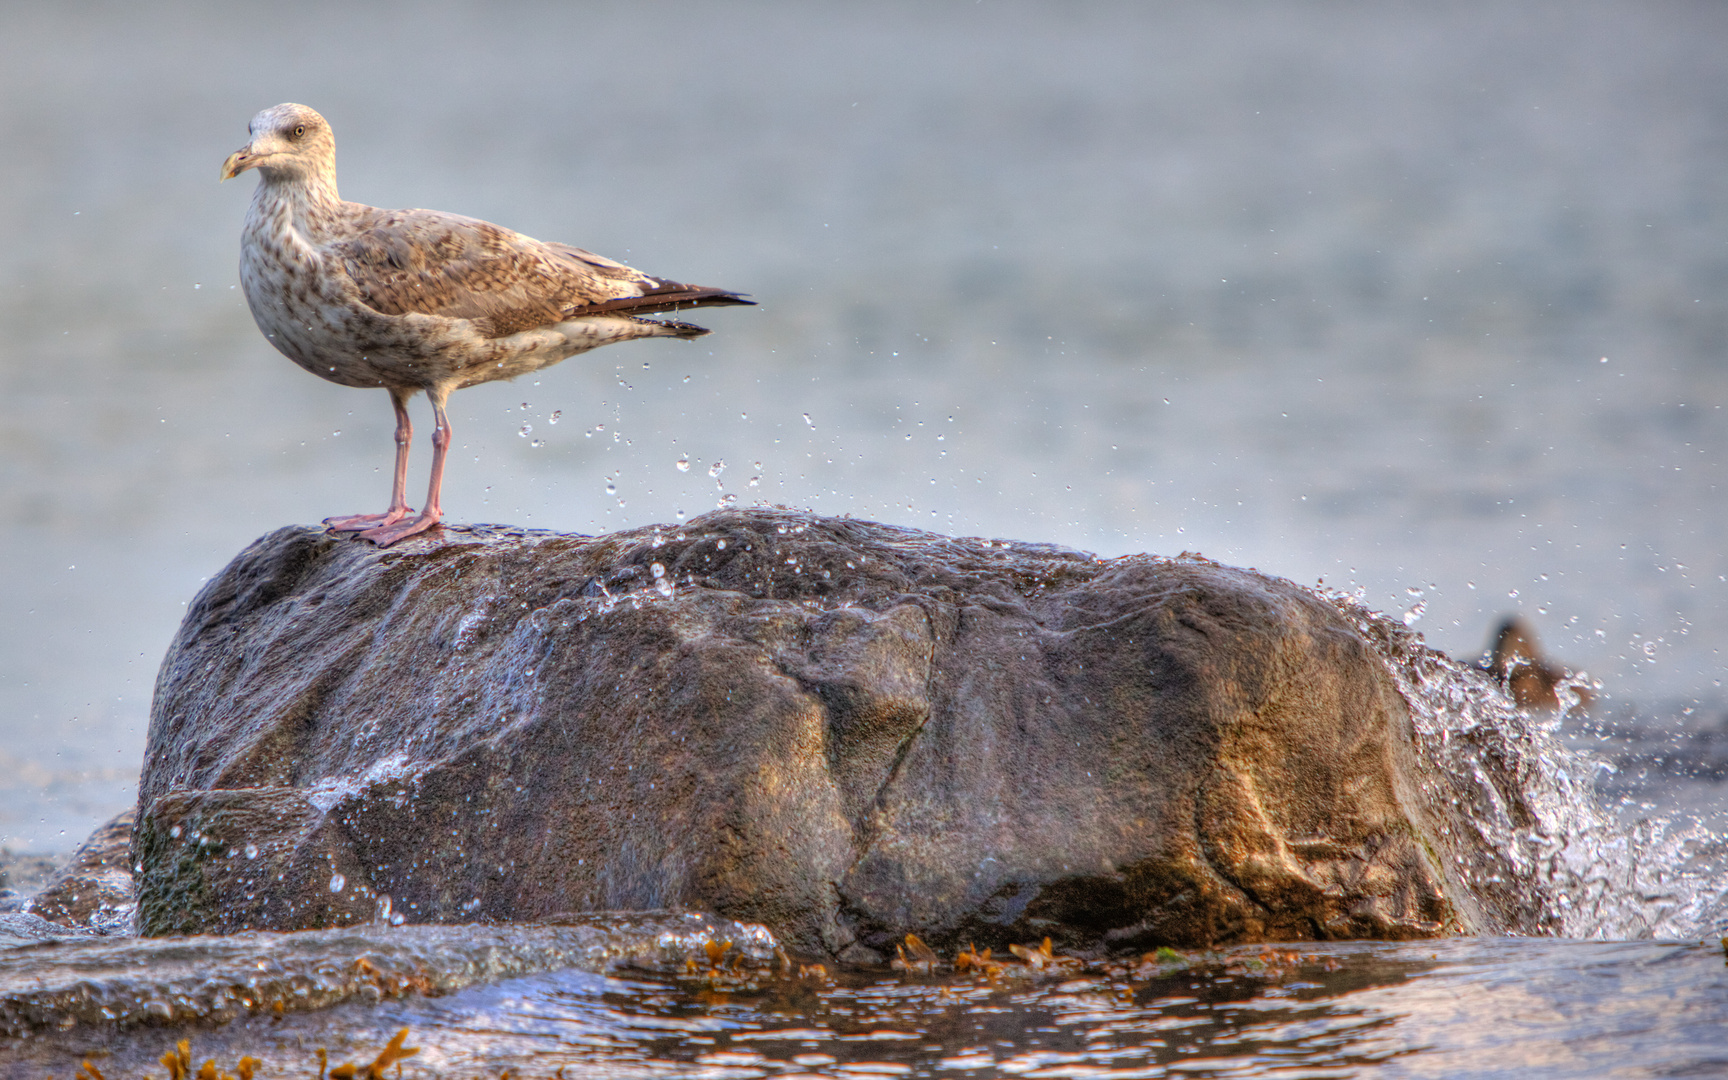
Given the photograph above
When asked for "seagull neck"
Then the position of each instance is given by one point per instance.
(309, 202)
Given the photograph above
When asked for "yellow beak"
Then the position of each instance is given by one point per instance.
(238, 162)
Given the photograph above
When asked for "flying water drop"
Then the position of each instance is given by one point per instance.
(1417, 609)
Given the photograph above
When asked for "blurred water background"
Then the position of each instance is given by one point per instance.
(1426, 300)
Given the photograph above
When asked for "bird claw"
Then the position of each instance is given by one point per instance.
(362, 522)
(389, 534)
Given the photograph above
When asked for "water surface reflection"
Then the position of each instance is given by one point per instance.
(1476, 1007)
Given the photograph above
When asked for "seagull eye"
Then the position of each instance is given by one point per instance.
(299, 130)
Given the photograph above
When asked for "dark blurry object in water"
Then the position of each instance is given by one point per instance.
(417, 300)
(94, 889)
(1534, 683)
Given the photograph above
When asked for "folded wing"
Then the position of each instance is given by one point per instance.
(427, 262)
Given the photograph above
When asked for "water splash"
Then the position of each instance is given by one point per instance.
(1418, 606)
(1533, 803)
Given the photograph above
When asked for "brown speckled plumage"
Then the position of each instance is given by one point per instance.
(418, 300)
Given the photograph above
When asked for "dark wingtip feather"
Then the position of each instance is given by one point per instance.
(667, 296)
(718, 297)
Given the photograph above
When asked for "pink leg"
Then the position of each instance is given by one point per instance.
(399, 507)
(390, 532)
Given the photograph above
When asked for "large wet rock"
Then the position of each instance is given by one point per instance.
(844, 730)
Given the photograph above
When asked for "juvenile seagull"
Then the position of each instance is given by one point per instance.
(417, 300)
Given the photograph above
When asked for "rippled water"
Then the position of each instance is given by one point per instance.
(1481, 1008)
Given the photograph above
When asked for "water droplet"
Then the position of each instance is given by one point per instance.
(657, 570)
(726, 500)
(337, 883)
(679, 514)
(807, 420)
(526, 428)
(720, 545)
(683, 463)
(251, 851)
(755, 480)
(611, 488)
(716, 469)
(1512, 594)
(556, 413)
(535, 443)
(524, 406)
(1414, 615)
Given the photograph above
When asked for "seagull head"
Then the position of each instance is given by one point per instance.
(289, 142)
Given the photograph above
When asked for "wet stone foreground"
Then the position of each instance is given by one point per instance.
(842, 730)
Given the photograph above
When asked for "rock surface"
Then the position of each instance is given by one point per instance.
(94, 889)
(844, 730)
